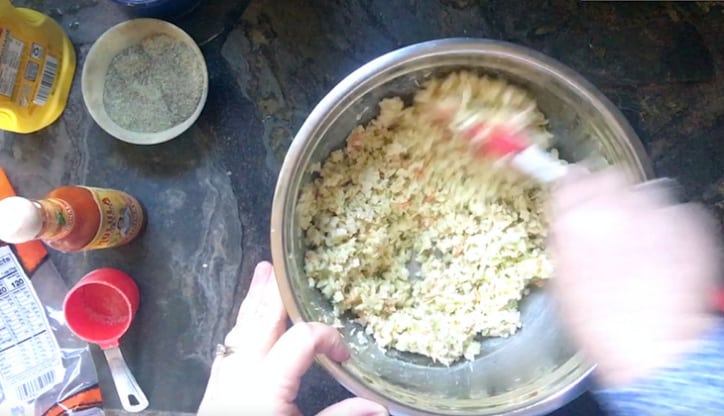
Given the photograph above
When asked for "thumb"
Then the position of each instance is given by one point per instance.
(354, 407)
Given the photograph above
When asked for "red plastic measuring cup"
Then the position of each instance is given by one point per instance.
(99, 309)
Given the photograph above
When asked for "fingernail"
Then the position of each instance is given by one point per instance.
(342, 355)
(380, 411)
(262, 275)
(340, 351)
(264, 269)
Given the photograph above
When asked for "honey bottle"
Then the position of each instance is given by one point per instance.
(73, 218)
(37, 63)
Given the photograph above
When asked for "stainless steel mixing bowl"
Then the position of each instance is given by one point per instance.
(530, 373)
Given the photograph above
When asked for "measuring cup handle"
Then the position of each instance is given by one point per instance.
(132, 397)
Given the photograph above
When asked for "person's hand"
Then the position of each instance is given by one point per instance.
(263, 365)
(634, 272)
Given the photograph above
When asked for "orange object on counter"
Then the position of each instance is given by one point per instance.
(37, 63)
(73, 218)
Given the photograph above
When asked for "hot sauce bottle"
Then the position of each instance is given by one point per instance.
(73, 218)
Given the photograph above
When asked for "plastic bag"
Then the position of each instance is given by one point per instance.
(44, 369)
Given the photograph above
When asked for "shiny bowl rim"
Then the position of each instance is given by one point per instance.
(394, 59)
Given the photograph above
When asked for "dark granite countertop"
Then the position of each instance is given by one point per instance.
(209, 192)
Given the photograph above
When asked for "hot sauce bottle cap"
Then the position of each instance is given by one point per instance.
(21, 220)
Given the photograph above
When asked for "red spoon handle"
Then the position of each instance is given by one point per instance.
(719, 300)
(495, 141)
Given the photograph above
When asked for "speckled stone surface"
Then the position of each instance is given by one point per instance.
(208, 193)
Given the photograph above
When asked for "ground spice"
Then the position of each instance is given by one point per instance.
(154, 85)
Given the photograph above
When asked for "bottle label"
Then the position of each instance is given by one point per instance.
(11, 52)
(59, 218)
(27, 71)
(121, 218)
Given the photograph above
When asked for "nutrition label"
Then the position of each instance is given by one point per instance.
(30, 358)
(11, 50)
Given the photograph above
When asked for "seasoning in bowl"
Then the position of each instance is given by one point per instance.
(154, 85)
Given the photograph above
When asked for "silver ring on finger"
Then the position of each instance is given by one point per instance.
(222, 350)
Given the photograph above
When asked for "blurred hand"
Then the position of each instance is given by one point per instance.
(261, 374)
(634, 272)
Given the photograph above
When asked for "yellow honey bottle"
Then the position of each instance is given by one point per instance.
(37, 62)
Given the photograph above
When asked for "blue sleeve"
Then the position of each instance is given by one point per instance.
(693, 386)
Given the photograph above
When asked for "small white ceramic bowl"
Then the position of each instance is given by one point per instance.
(110, 44)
